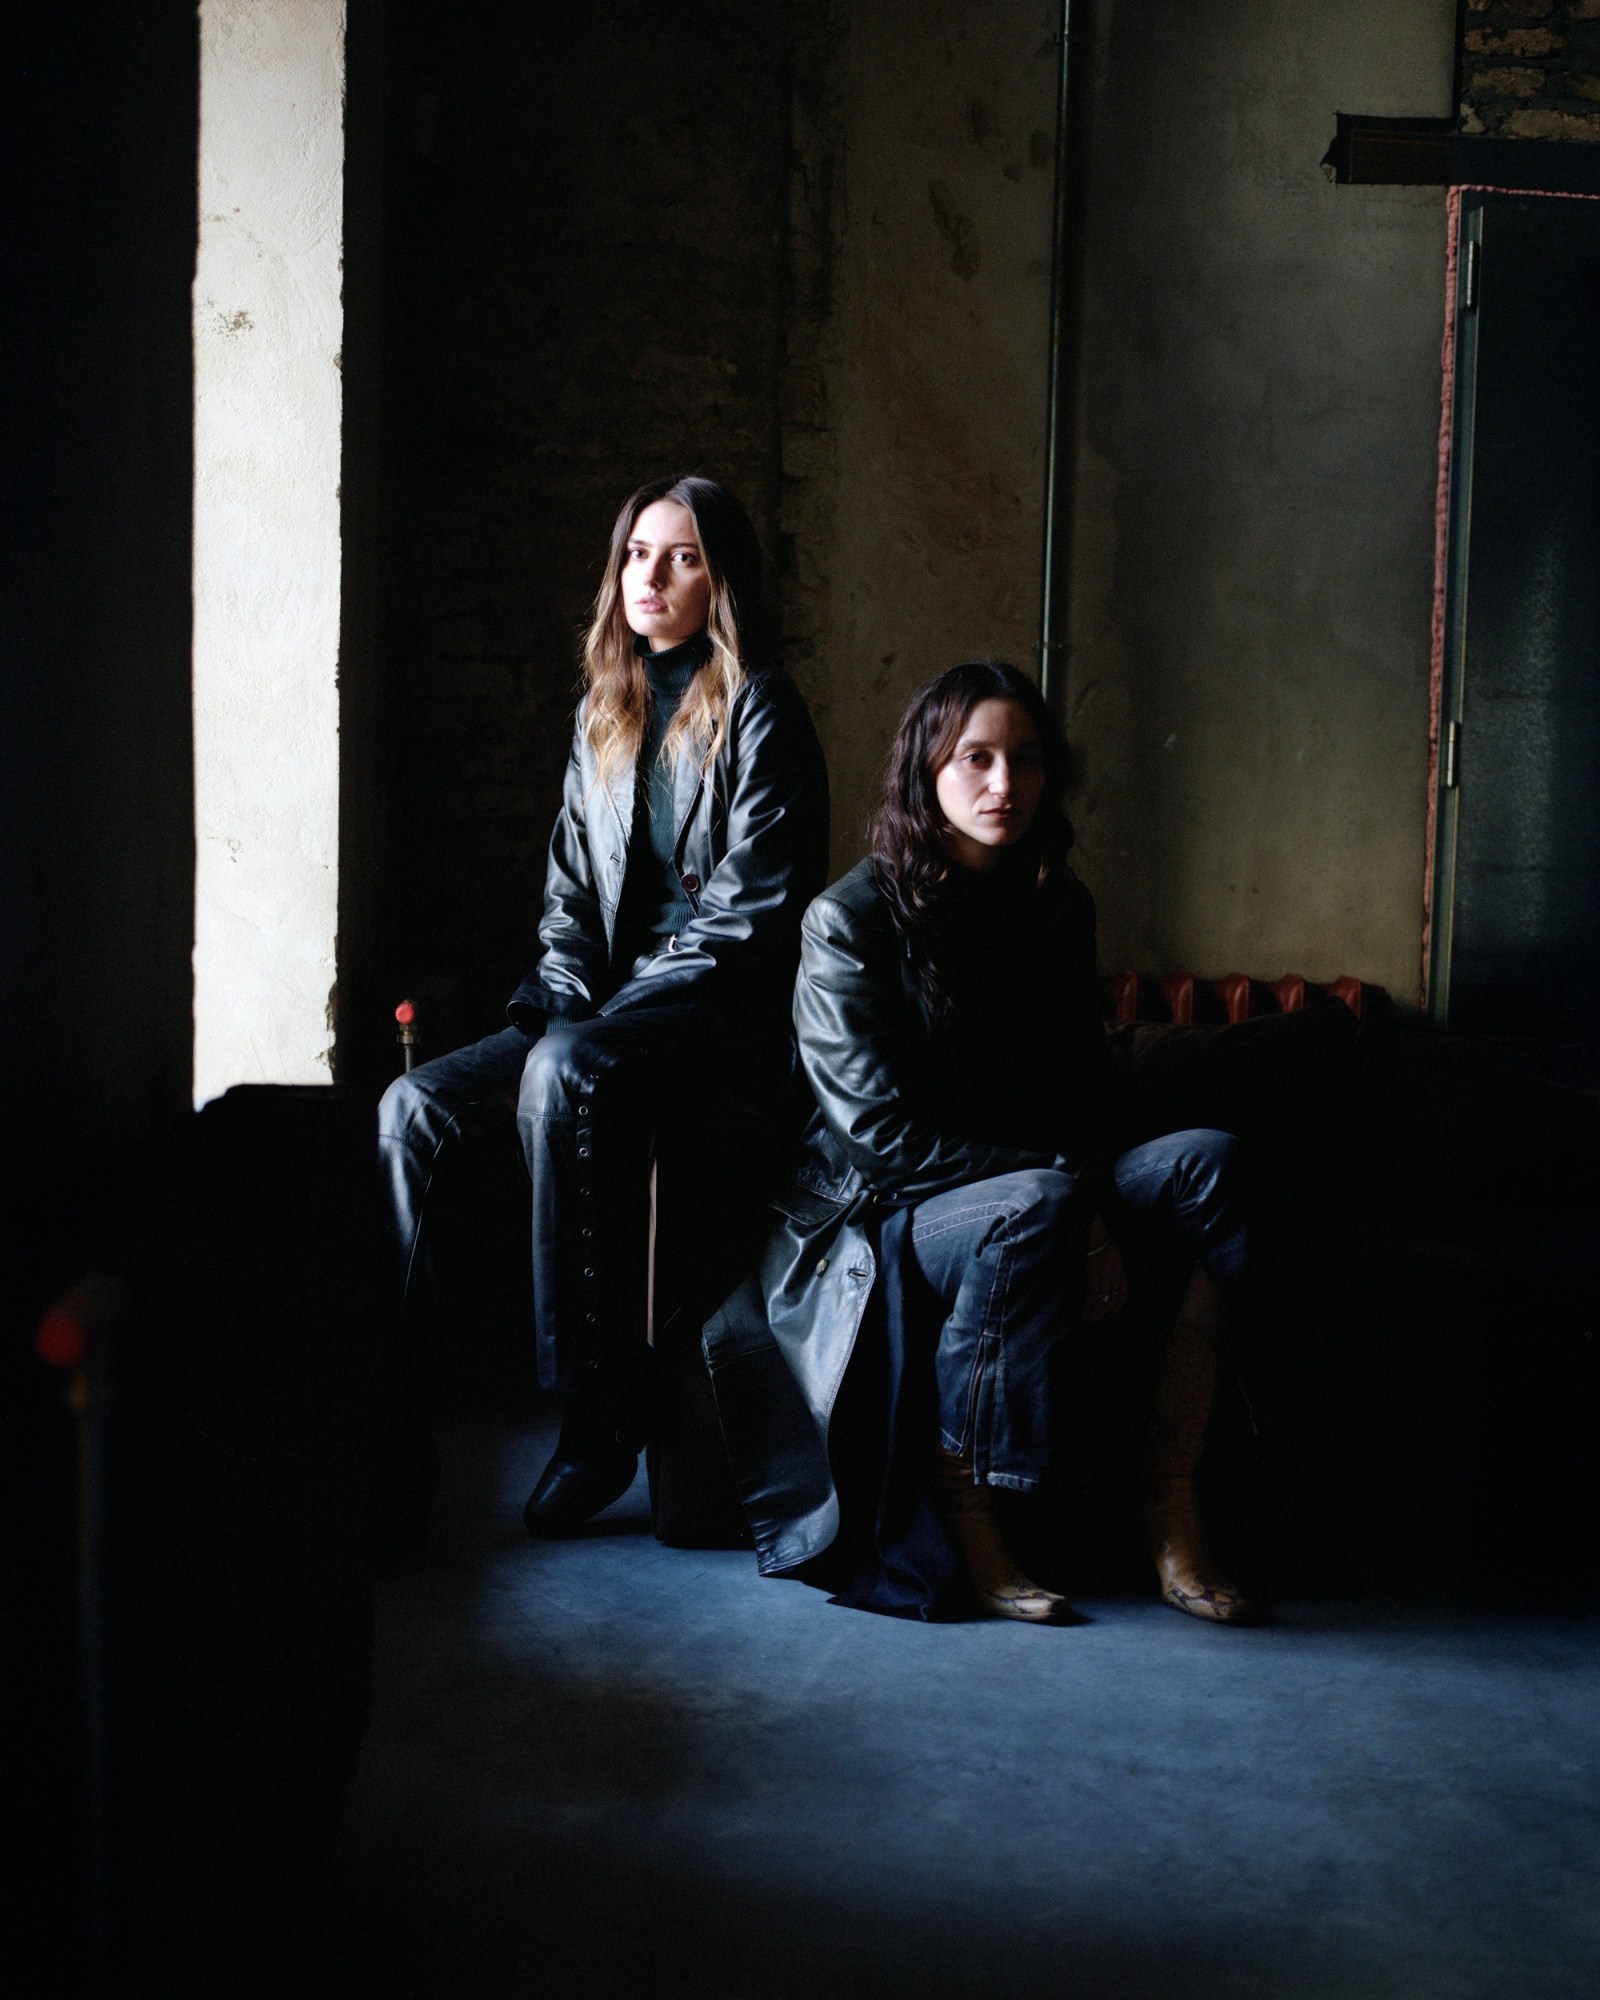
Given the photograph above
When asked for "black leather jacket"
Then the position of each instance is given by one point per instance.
(751, 850)
(779, 1347)
(865, 1047)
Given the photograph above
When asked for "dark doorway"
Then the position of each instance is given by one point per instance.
(1517, 905)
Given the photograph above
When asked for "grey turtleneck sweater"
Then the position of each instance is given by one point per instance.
(655, 905)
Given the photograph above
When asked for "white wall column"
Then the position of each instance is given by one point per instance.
(268, 322)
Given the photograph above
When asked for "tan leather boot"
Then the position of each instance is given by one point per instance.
(1189, 1580)
(1173, 1534)
(991, 1569)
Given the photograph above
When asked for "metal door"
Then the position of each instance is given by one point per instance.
(1516, 938)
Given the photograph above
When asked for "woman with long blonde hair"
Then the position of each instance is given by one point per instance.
(693, 831)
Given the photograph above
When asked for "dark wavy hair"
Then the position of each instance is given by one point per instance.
(907, 826)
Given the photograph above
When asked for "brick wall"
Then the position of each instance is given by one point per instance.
(808, 440)
(583, 286)
(803, 247)
(1531, 70)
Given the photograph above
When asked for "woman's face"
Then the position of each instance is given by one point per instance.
(666, 593)
(990, 786)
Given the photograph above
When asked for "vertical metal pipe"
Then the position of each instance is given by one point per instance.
(1058, 412)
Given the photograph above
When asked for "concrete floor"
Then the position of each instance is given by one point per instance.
(602, 1767)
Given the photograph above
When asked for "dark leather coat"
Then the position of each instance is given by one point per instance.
(751, 849)
(779, 1347)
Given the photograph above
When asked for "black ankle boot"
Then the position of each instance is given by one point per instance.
(591, 1466)
(571, 1491)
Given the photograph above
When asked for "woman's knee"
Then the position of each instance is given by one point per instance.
(566, 1067)
(1204, 1157)
(1201, 1204)
(1040, 1201)
(399, 1108)
(470, 1085)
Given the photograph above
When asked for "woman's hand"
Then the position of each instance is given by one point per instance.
(1106, 1289)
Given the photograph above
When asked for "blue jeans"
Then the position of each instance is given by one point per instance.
(1004, 1257)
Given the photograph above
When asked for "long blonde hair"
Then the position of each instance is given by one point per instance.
(618, 687)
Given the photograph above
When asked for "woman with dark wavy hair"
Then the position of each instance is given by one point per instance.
(693, 830)
(961, 1168)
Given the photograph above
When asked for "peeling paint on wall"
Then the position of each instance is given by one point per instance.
(917, 337)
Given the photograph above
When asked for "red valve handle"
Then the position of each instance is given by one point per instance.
(62, 1339)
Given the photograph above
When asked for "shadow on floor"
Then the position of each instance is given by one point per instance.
(603, 1768)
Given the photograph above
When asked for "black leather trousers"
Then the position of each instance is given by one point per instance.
(591, 1101)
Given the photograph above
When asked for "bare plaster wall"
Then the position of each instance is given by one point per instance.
(1247, 683)
(914, 398)
(267, 337)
